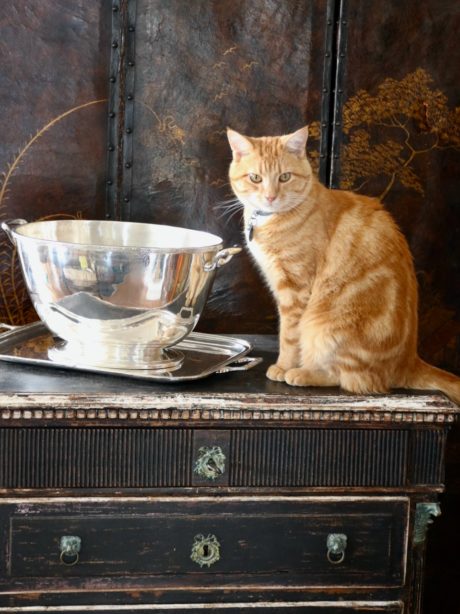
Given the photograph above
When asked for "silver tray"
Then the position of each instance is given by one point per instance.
(204, 354)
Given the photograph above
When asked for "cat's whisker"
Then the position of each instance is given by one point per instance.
(229, 206)
(232, 215)
(230, 203)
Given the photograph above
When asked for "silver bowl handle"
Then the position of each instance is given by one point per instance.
(221, 257)
(10, 225)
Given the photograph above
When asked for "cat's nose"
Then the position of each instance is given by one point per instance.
(270, 198)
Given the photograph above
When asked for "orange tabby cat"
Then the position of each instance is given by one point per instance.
(340, 270)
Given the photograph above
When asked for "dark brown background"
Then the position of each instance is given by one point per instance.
(202, 66)
(54, 57)
(184, 71)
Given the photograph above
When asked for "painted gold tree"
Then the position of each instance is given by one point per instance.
(14, 306)
(385, 133)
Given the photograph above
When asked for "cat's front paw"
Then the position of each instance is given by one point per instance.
(297, 377)
(275, 373)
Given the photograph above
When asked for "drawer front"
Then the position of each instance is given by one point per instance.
(236, 608)
(144, 457)
(291, 541)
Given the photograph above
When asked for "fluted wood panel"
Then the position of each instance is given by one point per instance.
(428, 457)
(144, 457)
(94, 458)
(325, 457)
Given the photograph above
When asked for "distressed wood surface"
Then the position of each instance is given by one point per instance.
(163, 458)
(355, 606)
(34, 393)
(275, 540)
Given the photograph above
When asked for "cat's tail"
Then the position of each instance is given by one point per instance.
(427, 377)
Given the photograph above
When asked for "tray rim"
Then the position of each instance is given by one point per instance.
(223, 366)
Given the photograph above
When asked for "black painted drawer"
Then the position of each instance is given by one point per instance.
(252, 539)
(144, 457)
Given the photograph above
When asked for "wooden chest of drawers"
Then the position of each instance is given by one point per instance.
(235, 494)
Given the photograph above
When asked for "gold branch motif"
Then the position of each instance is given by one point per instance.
(14, 165)
(166, 124)
(222, 94)
(218, 183)
(230, 50)
(412, 118)
(12, 291)
(249, 65)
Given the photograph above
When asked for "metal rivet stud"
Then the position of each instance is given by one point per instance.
(109, 182)
(322, 155)
(327, 54)
(114, 8)
(131, 29)
(126, 199)
(128, 130)
(336, 156)
(131, 63)
(337, 123)
(128, 165)
(111, 148)
(130, 96)
(112, 114)
(107, 216)
(112, 79)
(114, 44)
(342, 55)
(325, 90)
(329, 22)
(324, 124)
(340, 91)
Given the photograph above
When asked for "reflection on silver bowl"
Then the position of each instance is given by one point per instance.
(117, 292)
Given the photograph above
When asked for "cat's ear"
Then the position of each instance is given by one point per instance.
(296, 142)
(241, 145)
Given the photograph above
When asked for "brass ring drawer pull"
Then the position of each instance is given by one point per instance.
(205, 550)
(70, 546)
(210, 463)
(336, 546)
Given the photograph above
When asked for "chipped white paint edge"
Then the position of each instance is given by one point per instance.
(205, 606)
(219, 501)
(236, 401)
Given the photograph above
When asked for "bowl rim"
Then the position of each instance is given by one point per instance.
(214, 246)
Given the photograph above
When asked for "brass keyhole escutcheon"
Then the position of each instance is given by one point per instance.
(210, 463)
(205, 550)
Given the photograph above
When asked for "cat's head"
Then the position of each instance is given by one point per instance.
(270, 174)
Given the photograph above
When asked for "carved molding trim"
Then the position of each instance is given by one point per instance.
(424, 516)
(227, 414)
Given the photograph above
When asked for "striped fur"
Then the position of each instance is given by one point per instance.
(341, 273)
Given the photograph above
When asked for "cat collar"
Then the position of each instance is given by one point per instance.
(253, 222)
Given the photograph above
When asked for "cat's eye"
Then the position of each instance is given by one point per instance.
(255, 178)
(284, 177)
